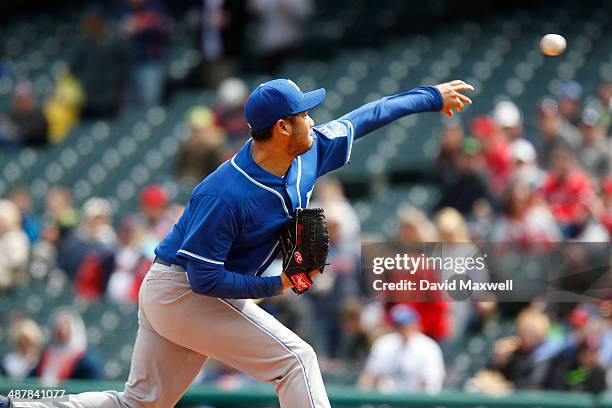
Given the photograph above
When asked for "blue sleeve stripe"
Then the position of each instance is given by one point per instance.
(280, 197)
(350, 139)
(200, 258)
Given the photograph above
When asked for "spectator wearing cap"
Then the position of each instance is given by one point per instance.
(404, 360)
(509, 119)
(86, 255)
(593, 153)
(228, 111)
(554, 131)
(570, 96)
(469, 186)
(526, 164)
(157, 221)
(569, 193)
(204, 149)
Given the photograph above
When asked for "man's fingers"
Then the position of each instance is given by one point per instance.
(463, 98)
(463, 88)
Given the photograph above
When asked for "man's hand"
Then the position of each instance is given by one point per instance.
(287, 283)
(453, 97)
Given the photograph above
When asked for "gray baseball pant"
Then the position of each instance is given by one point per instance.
(179, 330)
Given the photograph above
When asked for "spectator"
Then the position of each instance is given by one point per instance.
(44, 251)
(87, 253)
(578, 369)
(26, 338)
(525, 220)
(570, 95)
(30, 222)
(31, 127)
(14, 246)
(101, 65)
(603, 106)
(524, 360)
(355, 337)
(496, 153)
(59, 209)
(62, 108)
(404, 360)
(569, 193)
(145, 24)
(469, 187)
(228, 111)
(67, 356)
(154, 202)
(508, 118)
(131, 264)
(158, 218)
(593, 153)
(223, 38)
(205, 148)
(450, 149)
(526, 168)
(330, 192)
(452, 230)
(339, 282)
(554, 131)
(280, 29)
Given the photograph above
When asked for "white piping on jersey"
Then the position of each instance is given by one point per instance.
(308, 195)
(351, 137)
(257, 183)
(267, 258)
(270, 333)
(201, 258)
(299, 178)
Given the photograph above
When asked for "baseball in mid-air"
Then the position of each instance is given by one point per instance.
(552, 45)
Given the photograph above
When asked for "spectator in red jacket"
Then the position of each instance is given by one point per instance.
(496, 152)
(568, 192)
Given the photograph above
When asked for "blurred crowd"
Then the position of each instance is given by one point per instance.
(122, 57)
(499, 183)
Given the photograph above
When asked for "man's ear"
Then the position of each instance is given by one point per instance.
(283, 126)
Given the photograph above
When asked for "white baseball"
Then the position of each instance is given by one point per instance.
(552, 45)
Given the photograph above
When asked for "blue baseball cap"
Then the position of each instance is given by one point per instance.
(277, 99)
(403, 315)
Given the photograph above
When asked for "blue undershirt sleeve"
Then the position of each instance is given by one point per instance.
(376, 114)
(210, 233)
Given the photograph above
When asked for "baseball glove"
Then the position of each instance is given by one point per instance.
(305, 241)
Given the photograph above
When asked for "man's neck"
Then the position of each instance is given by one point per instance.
(271, 158)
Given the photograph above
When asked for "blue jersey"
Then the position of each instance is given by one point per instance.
(228, 233)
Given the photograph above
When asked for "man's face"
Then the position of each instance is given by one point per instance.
(301, 139)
